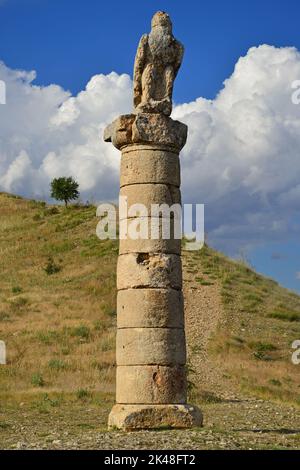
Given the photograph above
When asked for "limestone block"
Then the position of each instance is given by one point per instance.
(119, 132)
(150, 235)
(150, 308)
(163, 346)
(146, 164)
(146, 128)
(150, 246)
(151, 384)
(159, 129)
(148, 194)
(149, 270)
(135, 417)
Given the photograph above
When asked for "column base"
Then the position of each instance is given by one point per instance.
(137, 417)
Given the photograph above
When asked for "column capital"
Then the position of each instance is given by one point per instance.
(146, 128)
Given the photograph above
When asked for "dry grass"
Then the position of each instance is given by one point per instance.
(255, 344)
(60, 327)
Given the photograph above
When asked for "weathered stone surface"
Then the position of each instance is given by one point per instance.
(149, 164)
(139, 346)
(151, 351)
(146, 235)
(150, 308)
(148, 194)
(119, 132)
(150, 246)
(160, 130)
(146, 128)
(134, 417)
(149, 270)
(151, 384)
(157, 62)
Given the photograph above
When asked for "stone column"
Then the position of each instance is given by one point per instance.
(151, 351)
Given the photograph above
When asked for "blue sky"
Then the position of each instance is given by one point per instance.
(68, 42)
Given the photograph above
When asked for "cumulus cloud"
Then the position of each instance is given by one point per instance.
(45, 133)
(242, 158)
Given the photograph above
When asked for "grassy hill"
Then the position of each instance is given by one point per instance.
(58, 318)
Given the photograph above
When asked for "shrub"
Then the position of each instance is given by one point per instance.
(275, 382)
(82, 331)
(16, 290)
(4, 316)
(51, 211)
(262, 347)
(37, 380)
(83, 394)
(51, 267)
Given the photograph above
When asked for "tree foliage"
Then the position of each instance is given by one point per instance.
(64, 189)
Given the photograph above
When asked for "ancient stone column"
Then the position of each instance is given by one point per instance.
(151, 388)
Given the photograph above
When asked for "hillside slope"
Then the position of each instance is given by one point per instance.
(240, 328)
(58, 316)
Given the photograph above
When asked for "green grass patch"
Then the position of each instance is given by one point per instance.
(289, 316)
(203, 281)
(81, 331)
(57, 364)
(37, 380)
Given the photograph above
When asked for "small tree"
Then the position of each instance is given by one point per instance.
(64, 189)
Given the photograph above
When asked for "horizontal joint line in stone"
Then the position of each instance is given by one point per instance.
(150, 287)
(153, 364)
(150, 182)
(146, 288)
(165, 147)
(136, 147)
(150, 328)
(150, 404)
(152, 253)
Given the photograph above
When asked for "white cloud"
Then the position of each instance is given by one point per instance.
(242, 158)
(298, 275)
(243, 154)
(45, 132)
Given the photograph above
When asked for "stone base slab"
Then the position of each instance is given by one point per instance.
(138, 417)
